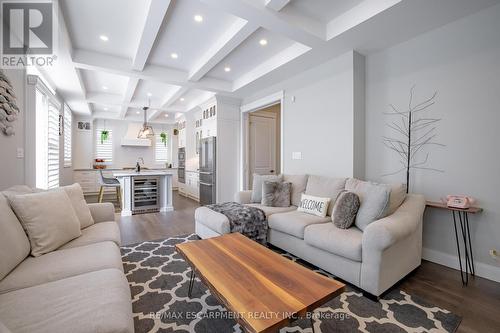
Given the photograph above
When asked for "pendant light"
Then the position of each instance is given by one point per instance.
(146, 131)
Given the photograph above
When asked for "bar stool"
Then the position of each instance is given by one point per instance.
(109, 182)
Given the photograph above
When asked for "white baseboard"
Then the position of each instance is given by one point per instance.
(483, 270)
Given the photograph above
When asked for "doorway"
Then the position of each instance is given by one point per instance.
(264, 142)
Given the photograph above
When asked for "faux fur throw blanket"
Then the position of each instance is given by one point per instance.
(249, 221)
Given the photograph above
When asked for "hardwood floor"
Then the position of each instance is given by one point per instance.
(478, 303)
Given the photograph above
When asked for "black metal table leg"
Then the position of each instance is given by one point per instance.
(473, 272)
(458, 248)
(191, 283)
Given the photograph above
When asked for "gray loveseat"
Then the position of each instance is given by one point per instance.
(80, 287)
(373, 259)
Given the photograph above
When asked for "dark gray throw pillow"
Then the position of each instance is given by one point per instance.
(345, 209)
(276, 193)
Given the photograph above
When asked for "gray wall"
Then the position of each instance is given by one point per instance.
(12, 168)
(462, 62)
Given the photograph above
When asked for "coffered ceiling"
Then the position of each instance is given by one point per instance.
(116, 56)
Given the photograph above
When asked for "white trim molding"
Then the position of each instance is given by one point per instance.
(483, 270)
(275, 98)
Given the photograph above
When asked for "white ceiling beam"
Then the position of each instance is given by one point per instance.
(357, 15)
(116, 100)
(129, 94)
(121, 66)
(156, 13)
(172, 97)
(256, 13)
(233, 37)
(276, 5)
(279, 59)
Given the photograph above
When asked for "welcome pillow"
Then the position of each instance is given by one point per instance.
(314, 205)
(48, 218)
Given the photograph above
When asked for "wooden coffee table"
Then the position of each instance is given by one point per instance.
(263, 290)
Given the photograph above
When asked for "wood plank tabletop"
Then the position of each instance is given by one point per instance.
(264, 289)
(437, 204)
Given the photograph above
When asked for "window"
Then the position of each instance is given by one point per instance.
(161, 150)
(47, 139)
(67, 137)
(104, 148)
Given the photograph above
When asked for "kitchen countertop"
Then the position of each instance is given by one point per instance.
(131, 173)
(122, 169)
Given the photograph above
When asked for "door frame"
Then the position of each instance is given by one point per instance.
(246, 109)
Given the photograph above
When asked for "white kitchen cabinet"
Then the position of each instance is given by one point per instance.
(191, 188)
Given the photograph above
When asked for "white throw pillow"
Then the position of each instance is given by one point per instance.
(398, 195)
(75, 194)
(48, 218)
(314, 205)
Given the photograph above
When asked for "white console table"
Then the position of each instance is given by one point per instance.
(126, 179)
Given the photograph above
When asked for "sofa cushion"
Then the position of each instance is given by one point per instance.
(273, 210)
(345, 209)
(4, 329)
(343, 242)
(48, 218)
(91, 302)
(61, 264)
(276, 194)
(294, 223)
(299, 183)
(17, 189)
(258, 180)
(99, 232)
(14, 244)
(213, 220)
(75, 194)
(374, 200)
(325, 187)
(398, 195)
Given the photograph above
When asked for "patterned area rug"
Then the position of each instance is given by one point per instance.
(159, 279)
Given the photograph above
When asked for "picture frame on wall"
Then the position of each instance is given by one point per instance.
(83, 126)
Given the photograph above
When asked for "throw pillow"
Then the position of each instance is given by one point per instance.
(322, 186)
(374, 200)
(299, 183)
(398, 195)
(258, 180)
(313, 205)
(276, 194)
(75, 194)
(345, 210)
(48, 218)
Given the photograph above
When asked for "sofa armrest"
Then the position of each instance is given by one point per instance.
(243, 197)
(102, 212)
(385, 232)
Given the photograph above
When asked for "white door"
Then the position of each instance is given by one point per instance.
(262, 146)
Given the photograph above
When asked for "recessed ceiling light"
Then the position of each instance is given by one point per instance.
(166, 115)
(227, 69)
(150, 94)
(138, 112)
(198, 18)
(174, 55)
(104, 87)
(182, 99)
(104, 38)
(263, 42)
(106, 109)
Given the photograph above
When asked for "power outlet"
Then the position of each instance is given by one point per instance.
(494, 254)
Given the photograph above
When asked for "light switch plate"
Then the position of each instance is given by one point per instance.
(296, 155)
(20, 153)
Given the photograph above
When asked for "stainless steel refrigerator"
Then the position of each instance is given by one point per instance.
(207, 171)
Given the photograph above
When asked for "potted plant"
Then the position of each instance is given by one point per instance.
(163, 137)
(104, 136)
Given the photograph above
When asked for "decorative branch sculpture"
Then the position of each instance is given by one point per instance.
(412, 135)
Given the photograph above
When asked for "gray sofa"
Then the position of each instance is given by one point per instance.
(80, 287)
(373, 260)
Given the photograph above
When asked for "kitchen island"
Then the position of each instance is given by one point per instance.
(146, 191)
